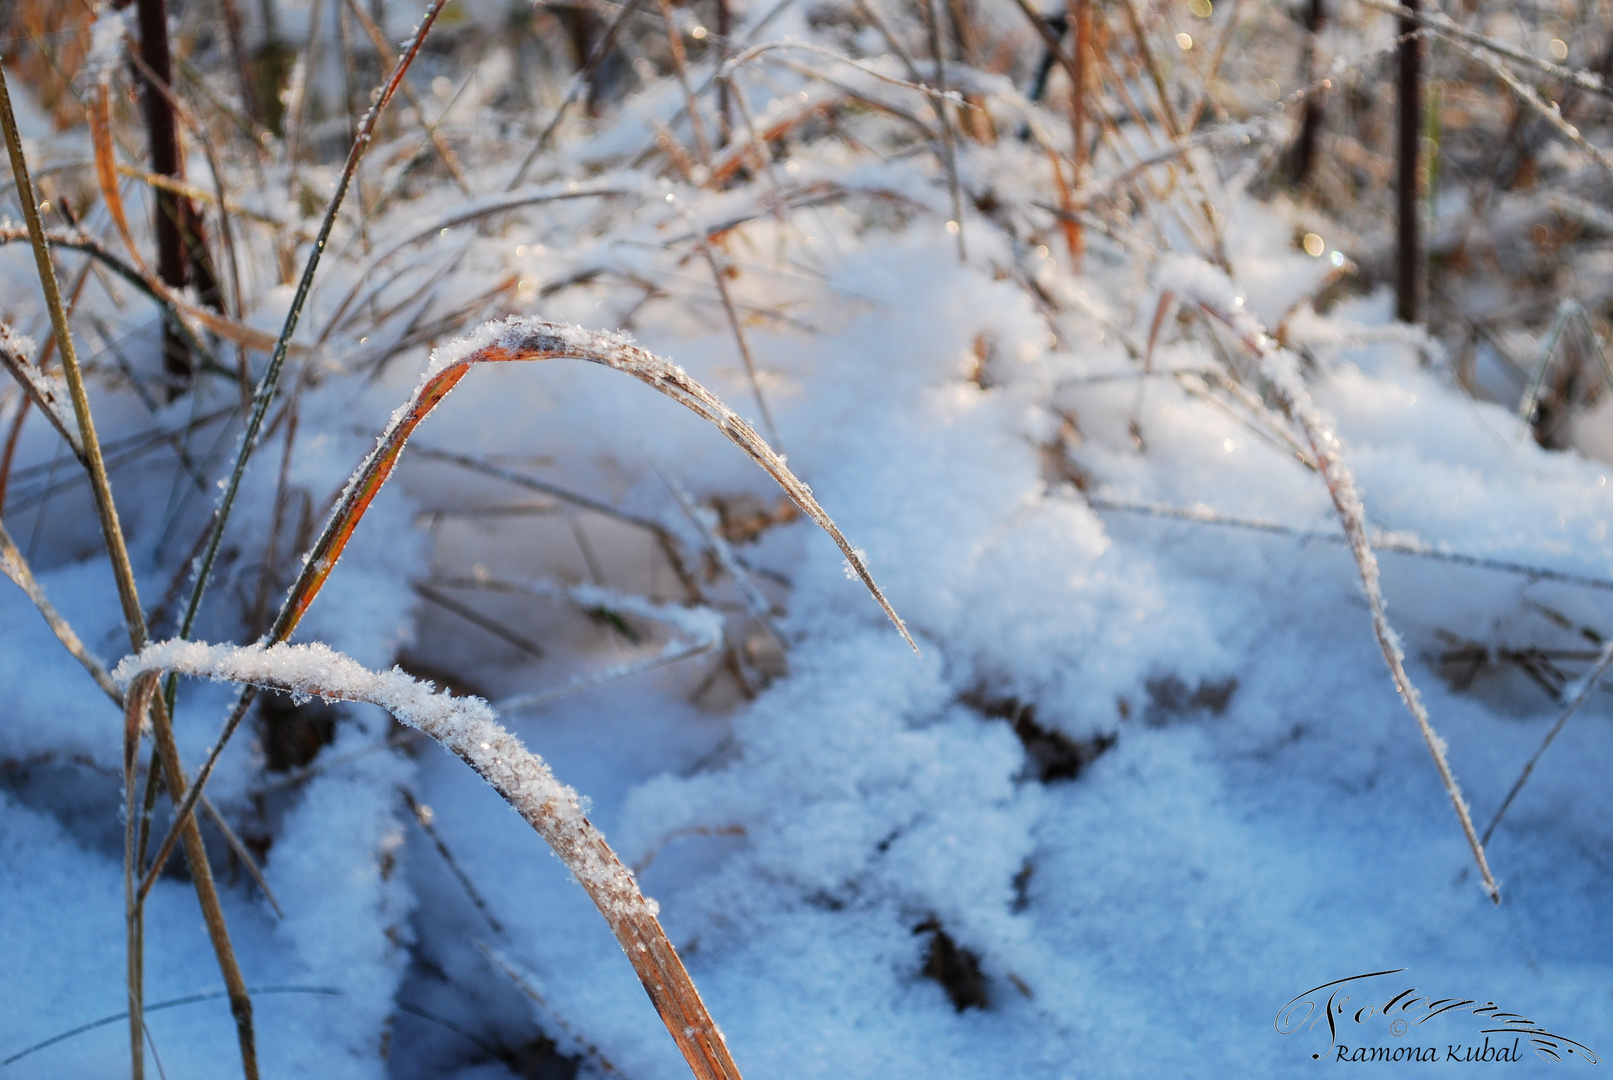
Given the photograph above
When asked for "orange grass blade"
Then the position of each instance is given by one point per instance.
(106, 175)
(106, 170)
(517, 339)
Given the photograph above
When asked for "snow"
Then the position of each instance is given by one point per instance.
(107, 34)
(1100, 566)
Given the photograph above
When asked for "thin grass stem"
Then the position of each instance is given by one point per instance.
(128, 595)
(1214, 295)
(719, 278)
(1574, 695)
(271, 375)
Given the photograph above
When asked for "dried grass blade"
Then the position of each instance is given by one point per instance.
(526, 987)
(1216, 296)
(469, 728)
(99, 111)
(174, 308)
(196, 194)
(15, 567)
(139, 696)
(705, 521)
(106, 175)
(242, 852)
(526, 339)
(128, 595)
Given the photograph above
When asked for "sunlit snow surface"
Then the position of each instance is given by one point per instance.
(1147, 918)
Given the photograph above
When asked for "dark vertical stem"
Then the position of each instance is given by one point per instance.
(581, 26)
(578, 29)
(198, 263)
(1311, 126)
(725, 27)
(1052, 29)
(163, 134)
(943, 116)
(1409, 289)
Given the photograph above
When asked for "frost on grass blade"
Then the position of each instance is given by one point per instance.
(47, 391)
(469, 727)
(509, 340)
(1214, 292)
(466, 725)
(520, 338)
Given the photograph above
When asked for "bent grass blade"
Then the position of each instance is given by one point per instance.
(527, 339)
(470, 729)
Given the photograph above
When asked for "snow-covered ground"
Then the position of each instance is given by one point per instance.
(1146, 780)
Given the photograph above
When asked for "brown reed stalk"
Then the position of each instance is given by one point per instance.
(1409, 283)
(171, 215)
(1311, 123)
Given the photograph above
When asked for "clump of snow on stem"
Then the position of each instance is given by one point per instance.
(524, 332)
(107, 34)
